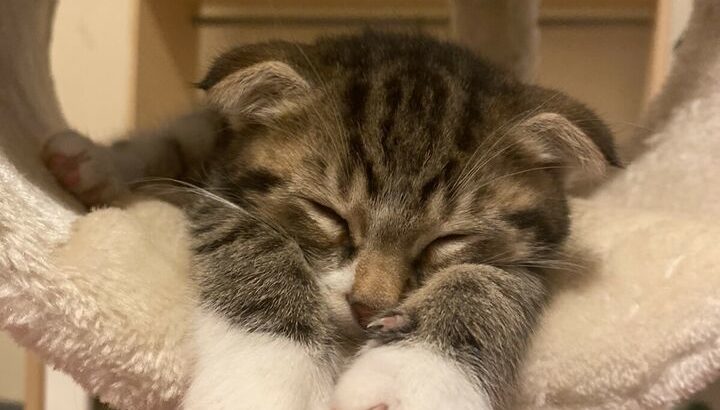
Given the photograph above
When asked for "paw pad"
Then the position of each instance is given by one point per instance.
(81, 167)
(391, 322)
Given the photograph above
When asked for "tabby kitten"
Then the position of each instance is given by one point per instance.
(381, 189)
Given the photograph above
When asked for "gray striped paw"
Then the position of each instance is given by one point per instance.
(82, 167)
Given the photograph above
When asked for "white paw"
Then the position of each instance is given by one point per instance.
(82, 167)
(239, 370)
(406, 378)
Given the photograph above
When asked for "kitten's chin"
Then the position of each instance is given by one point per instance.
(353, 333)
(350, 335)
(343, 320)
(335, 285)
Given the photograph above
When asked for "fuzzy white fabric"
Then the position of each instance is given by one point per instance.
(106, 296)
(638, 330)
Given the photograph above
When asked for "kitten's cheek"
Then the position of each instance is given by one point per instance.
(412, 377)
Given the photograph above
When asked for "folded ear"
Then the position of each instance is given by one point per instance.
(566, 133)
(258, 92)
(551, 139)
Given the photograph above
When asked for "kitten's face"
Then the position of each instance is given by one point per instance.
(391, 170)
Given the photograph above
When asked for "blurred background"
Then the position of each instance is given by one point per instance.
(121, 64)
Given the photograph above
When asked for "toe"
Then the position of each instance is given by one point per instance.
(390, 322)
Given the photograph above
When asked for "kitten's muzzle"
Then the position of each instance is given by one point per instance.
(378, 285)
(362, 313)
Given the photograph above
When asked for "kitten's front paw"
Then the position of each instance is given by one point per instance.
(391, 322)
(82, 167)
(406, 377)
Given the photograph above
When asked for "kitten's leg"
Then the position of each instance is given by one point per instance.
(97, 174)
(456, 343)
(265, 338)
(240, 369)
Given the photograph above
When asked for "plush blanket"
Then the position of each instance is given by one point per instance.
(105, 296)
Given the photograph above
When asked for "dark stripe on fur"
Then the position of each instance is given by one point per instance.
(465, 139)
(547, 231)
(257, 180)
(393, 98)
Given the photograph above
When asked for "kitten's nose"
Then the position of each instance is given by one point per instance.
(362, 313)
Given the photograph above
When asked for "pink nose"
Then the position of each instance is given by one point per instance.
(362, 313)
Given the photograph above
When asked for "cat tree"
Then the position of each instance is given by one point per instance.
(105, 295)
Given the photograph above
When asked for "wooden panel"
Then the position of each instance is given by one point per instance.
(609, 8)
(597, 11)
(549, 4)
(34, 382)
(617, 5)
(659, 58)
(408, 12)
(12, 369)
(166, 60)
(331, 4)
(586, 62)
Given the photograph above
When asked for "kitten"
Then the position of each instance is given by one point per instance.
(381, 189)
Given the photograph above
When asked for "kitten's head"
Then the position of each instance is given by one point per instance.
(392, 157)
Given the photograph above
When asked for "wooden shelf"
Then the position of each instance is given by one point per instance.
(434, 12)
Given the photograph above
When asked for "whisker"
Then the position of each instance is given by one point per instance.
(334, 142)
(497, 257)
(474, 165)
(521, 172)
(186, 187)
(191, 188)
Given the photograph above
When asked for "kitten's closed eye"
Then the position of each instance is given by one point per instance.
(328, 220)
(446, 245)
(442, 251)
